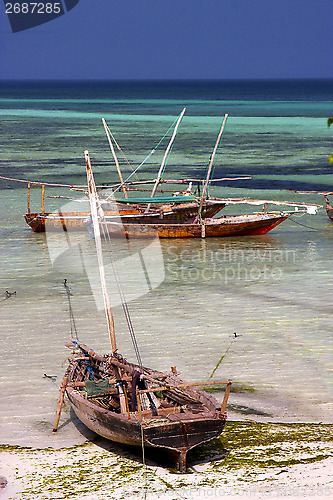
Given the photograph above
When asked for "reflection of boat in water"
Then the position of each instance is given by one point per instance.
(129, 403)
(329, 208)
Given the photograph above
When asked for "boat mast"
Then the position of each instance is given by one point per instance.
(96, 210)
(159, 175)
(205, 188)
(115, 158)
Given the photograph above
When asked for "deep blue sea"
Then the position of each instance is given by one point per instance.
(274, 290)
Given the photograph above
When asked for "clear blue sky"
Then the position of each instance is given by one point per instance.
(174, 39)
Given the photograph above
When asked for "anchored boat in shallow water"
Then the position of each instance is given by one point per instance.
(127, 402)
(175, 210)
(182, 216)
(232, 225)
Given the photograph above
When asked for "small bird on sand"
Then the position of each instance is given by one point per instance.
(9, 294)
(236, 335)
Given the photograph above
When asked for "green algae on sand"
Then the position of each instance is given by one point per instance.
(243, 451)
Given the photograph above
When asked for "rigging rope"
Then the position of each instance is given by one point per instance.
(147, 157)
(122, 152)
(304, 225)
(215, 162)
(71, 314)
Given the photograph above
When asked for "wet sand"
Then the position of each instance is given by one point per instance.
(276, 456)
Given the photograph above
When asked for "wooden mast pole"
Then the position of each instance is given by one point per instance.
(43, 198)
(159, 175)
(115, 157)
(29, 185)
(205, 188)
(93, 197)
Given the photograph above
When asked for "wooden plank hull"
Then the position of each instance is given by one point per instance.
(184, 433)
(191, 416)
(238, 225)
(59, 221)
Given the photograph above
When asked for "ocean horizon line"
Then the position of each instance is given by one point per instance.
(165, 80)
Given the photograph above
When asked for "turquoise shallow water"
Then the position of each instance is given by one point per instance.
(274, 290)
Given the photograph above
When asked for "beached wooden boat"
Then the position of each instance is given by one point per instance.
(127, 402)
(131, 404)
(329, 208)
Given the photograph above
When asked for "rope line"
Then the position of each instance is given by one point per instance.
(122, 152)
(71, 314)
(147, 157)
(304, 225)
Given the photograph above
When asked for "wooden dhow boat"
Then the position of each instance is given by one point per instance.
(181, 216)
(164, 210)
(129, 403)
(204, 226)
(182, 207)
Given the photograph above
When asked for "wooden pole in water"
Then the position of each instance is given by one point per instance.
(60, 403)
(93, 198)
(115, 157)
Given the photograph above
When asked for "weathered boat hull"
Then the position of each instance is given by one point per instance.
(59, 221)
(193, 418)
(238, 225)
(175, 435)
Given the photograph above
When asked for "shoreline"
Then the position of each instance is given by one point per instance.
(251, 459)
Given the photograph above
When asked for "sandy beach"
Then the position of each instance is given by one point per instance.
(255, 457)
